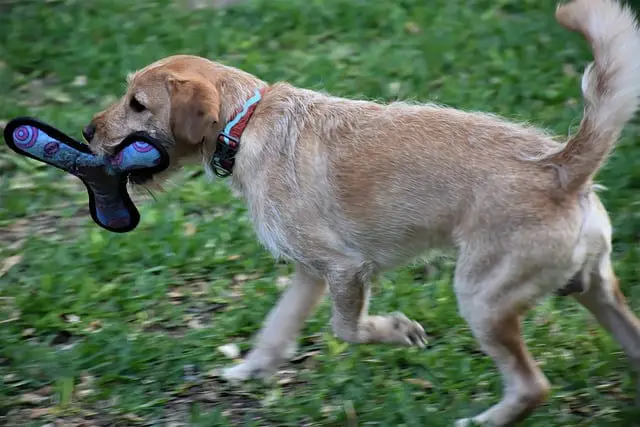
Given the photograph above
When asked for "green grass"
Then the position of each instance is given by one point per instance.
(123, 329)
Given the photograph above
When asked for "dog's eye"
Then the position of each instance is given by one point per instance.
(136, 105)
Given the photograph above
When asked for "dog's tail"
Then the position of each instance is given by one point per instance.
(610, 86)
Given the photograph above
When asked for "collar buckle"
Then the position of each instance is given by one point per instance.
(229, 140)
(227, 146)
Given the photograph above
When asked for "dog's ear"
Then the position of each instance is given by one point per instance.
(195, 108)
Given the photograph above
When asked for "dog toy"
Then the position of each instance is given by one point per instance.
(105, 177)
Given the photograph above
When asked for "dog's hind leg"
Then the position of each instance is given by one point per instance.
(597, 288)
(492, 298)
(606, 302)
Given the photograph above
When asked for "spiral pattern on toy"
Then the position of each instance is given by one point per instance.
(142, 147)
(51, 148)
(25, 136)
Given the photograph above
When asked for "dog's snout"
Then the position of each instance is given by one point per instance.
(89, 131)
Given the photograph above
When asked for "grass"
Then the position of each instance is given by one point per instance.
(123, 330)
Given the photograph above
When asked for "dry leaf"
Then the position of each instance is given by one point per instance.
(133, 418)
(286, 377)
(32, 398)
(195, 324)
(175, 295)
(44, 391)
(70, 318)
(39, 412)
(86, 381)
(17, 245)
(8, 263)
(328, 410)
(232, 351)
(304, 356)
(420, 382)
(215, 4)
(84, 393)
(94, 325)
(79, 81)
(189, 229)
(241, 278)
(411, 27)
(28, 333)
(56, 95)
(209, 396)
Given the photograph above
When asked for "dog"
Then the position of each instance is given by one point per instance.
(346, 189)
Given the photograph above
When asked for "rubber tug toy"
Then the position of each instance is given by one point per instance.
(105, 177)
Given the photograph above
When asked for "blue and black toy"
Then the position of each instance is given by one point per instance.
(104, 176)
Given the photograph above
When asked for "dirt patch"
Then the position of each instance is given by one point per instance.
(48, 225)
(237, 406)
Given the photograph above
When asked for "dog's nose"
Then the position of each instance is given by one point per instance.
(89, 131)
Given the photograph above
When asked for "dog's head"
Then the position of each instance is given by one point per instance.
(176, 100)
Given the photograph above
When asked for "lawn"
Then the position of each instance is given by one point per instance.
(126, 330)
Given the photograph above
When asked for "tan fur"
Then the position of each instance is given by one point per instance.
(610, 86)
(346, 189)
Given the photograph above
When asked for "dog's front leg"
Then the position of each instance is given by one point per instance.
(350, 319)
(277, 339)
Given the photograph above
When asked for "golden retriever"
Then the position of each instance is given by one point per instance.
(346, 189)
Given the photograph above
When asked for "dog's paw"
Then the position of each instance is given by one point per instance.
(395, 328)
(247, 371)
(239, 373)
(261, 363)
(408, 331)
